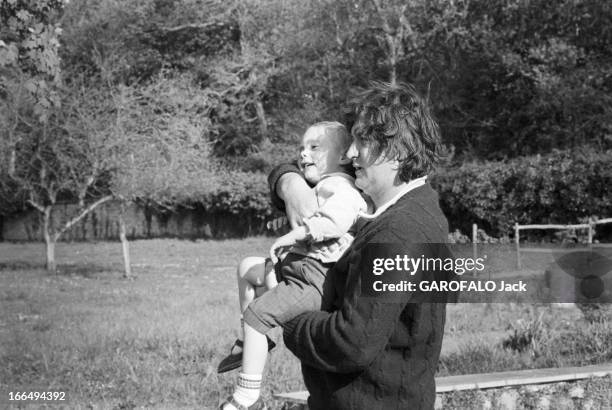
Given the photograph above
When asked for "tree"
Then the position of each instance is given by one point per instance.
(44, 157)
(67, 158)
(524, 77)
(164, 160)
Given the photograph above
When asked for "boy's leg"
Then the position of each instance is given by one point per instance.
(251, 274)
(254, 276)
(283, 302)
(255, 351)
(248, 387)
(270, 280)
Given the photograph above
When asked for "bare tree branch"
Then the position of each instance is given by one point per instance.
(36, 205)
(80, 216)
(190, 26)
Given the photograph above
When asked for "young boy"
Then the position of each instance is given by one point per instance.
(295, 283)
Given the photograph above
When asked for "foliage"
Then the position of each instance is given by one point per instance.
(595, 312)
(68, 156)
(29, 51)
(480, 357)
(127, 42)
(528, 336)
(237, 193)
(167, 158)
(163, 127)
(238, 85)
(202, 88)
(557, 188)
(506, 78)
(589, 342)
(521, 78)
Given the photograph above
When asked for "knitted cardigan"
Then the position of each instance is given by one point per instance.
(366, 353)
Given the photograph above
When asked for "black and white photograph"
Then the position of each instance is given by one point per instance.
(306, 204)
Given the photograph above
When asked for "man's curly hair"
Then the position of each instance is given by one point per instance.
(395, 122)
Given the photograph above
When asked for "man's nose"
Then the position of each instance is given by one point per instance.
(351, 153)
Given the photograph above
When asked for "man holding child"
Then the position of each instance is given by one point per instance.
(365, 352)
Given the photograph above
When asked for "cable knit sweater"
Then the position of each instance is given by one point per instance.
(368, 353)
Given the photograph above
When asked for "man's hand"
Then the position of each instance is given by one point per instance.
(299, 198)
(296, 235)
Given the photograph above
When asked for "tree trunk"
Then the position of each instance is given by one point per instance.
(393, 75)
(392, 63)
(125, 245)
(49, 239)
(50, 254)
(263, 122)
(12, 161)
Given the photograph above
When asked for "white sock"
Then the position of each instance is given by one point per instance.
(248, 389)
(241, 328)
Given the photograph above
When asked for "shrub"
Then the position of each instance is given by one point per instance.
(528, 336)
(480, 358)
(595, 312)
(562, 187)
(585, 344)
(236, 193)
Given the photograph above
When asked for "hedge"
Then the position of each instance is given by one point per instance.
(562, 187)
(236, 193)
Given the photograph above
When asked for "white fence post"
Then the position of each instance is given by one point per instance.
(517, 242)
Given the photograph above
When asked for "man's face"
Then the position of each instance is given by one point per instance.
(374, 176)
(319, 155)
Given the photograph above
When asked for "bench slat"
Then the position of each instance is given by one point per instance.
(493, 380)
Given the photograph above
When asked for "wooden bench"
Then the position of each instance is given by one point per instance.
(494, 380)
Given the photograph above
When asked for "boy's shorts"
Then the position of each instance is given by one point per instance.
(300, 289)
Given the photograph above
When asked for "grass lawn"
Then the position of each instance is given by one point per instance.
(154, 342)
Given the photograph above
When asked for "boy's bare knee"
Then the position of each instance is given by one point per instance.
(247, 264)
(270, 280)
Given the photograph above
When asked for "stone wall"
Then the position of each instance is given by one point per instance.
(142, 222)
(588, 394)
(593, 393)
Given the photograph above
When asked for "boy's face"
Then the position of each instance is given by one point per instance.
(319, 155)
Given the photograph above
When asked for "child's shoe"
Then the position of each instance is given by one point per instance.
(234, 360)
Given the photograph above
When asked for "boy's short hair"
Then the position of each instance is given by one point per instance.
(337, 131)
(394, 121)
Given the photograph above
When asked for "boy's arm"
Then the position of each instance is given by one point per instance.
(332, 220)
(290, 192)
(336, 216)
(290, 239)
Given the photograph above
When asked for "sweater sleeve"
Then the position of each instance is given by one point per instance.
(350, 338)
(273, 179)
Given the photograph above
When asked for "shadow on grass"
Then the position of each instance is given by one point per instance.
(86, 270)
(20, 265)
